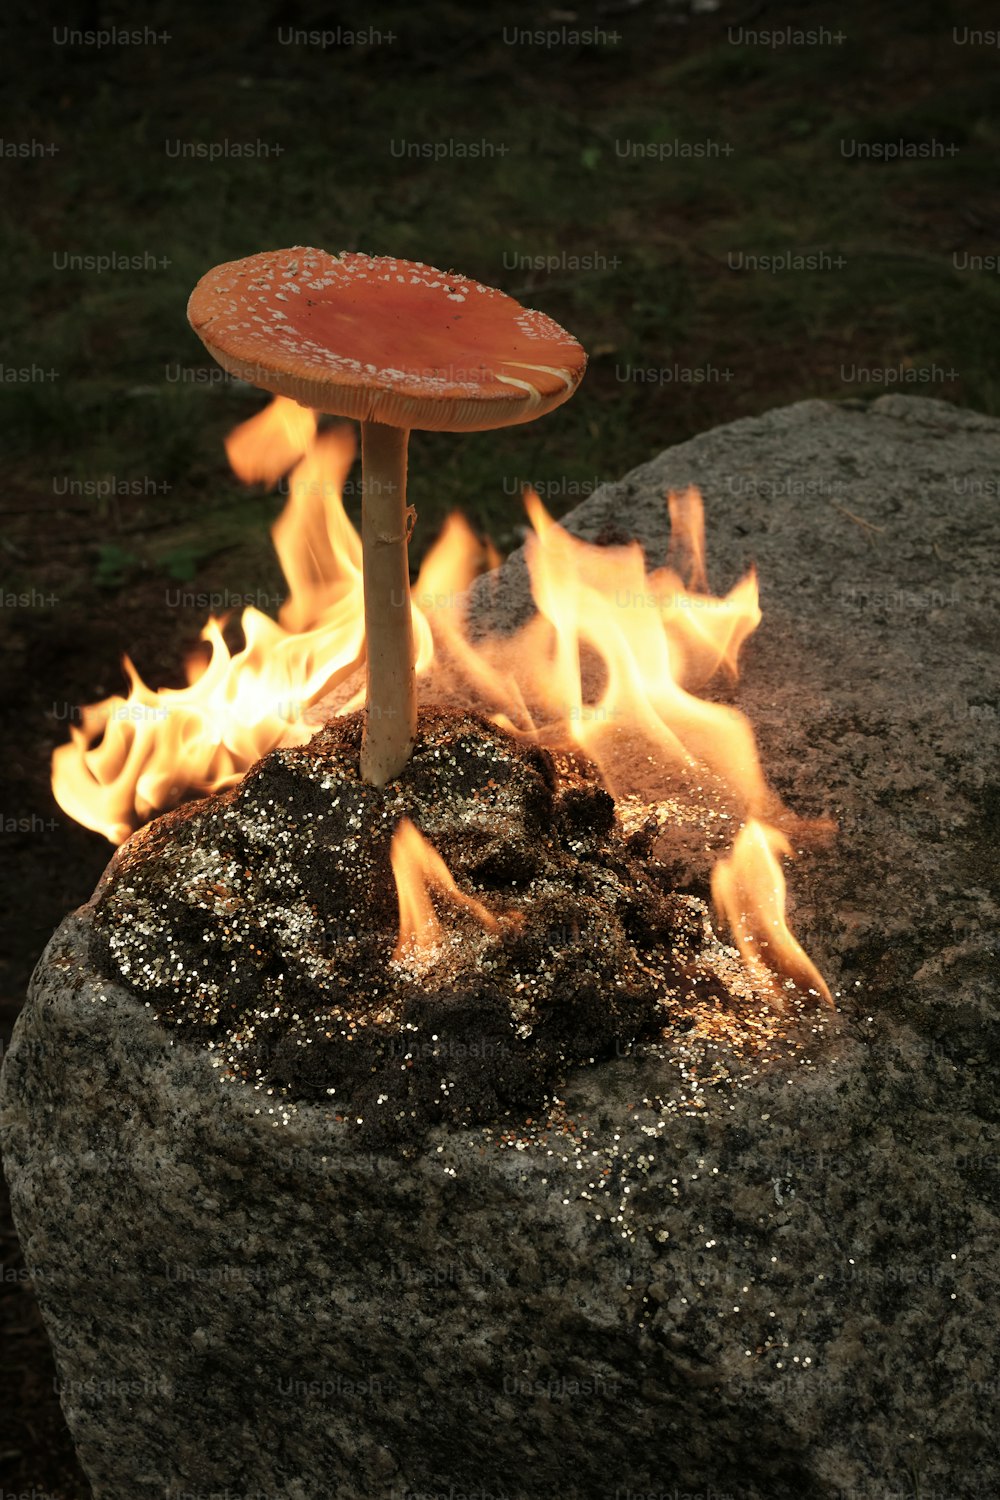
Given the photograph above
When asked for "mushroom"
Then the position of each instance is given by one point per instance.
(394, 344)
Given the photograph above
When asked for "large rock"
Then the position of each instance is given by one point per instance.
(738, 1264)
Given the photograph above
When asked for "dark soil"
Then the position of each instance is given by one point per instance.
(262, 923)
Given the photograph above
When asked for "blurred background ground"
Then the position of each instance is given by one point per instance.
(104, 385)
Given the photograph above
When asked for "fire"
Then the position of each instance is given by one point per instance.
(268, 445)
(748, 889)
(419, 869)
(610, 662)
(651, 636)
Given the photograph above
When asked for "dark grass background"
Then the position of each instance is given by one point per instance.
(102, 380)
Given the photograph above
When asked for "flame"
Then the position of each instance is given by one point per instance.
(687, 534)
(748, 889)
(612, 662)
(457, 557)
(649, 635)
(419, 869)
(268, 444)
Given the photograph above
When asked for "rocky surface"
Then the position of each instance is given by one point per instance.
(761, 1265)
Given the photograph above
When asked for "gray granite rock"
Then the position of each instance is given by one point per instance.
(716, 1268)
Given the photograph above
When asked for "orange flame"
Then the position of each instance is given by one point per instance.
(609, 663)
(748, 889)
(268, 444)
(650, 635)
(419, 869)
(687, 535)
(131, 757)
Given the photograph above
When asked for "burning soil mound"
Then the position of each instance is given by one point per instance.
(262, 923)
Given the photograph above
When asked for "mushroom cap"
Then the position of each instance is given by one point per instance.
(384, 340)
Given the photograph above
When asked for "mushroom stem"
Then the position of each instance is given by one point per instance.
(391, 719)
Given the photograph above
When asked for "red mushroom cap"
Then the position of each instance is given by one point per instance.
(384, 340)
